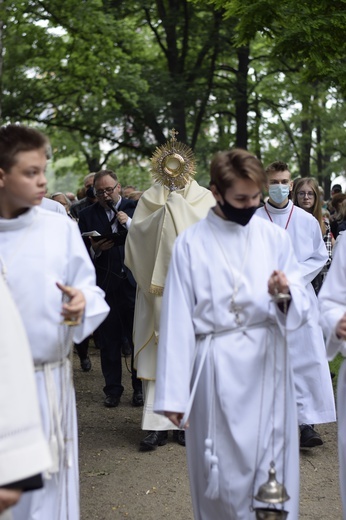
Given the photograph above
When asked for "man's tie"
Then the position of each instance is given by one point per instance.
(113, 219)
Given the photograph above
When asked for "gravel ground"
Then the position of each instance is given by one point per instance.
(118, 481)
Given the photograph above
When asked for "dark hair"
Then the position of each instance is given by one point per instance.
(337, 188)
(237, 163)
(337, 200)
(103, 173)
(277, 166)
(19, 138)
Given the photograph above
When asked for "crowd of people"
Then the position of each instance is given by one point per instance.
(231, 305)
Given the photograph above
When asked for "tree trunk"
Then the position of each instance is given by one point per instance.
(257, 137)
(241, 101)
(322, 159)
(306, 139)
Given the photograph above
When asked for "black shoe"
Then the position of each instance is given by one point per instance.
(153, 440)
(137, 398)
(179, 437)
(85, 364)
(112, 401)
(309, 437)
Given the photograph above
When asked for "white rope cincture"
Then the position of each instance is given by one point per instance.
(211, 459)
(56, 440)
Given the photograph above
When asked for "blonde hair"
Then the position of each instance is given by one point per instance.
(316, 209)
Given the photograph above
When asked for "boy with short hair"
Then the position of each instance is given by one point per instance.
(222, 361)
(314, 389)
(52, 281)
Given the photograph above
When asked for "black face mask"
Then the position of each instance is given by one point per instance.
(90, 193)
(238, 215)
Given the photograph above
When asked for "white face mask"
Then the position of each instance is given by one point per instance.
(279, 192)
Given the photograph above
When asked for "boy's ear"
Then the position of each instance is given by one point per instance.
(214, 189)
(215, 192)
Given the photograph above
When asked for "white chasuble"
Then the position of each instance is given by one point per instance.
(315, 398)
(38, 249)
(239, 404)
(159, 218)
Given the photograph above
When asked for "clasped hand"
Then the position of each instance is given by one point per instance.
(278, 283)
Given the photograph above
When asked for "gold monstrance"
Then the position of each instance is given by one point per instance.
(173, 164)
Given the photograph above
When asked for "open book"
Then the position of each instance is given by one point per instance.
(118, 238)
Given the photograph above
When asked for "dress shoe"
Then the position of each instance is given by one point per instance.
(137, 398)
(309, 437)
(112, 401)
(179, 437)
(153, 440)
(85, 364)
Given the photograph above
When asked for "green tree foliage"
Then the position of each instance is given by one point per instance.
(69, 73)
(309, 32)
(108, 79)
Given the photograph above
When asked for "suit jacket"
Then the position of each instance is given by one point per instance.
(78, 206)
(109, 266)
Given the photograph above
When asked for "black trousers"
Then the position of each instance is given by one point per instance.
(109, 336)
(82, 348)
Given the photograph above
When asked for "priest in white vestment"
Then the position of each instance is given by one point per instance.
(160, 216)
(315, 398)
(223, 369)
(46, 267)
(332, 299)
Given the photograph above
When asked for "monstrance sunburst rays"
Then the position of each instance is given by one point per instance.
(173, 164)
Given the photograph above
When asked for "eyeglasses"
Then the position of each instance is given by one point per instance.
(308, 194)
(108, 191)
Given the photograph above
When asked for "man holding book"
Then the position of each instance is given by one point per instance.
(111, 215)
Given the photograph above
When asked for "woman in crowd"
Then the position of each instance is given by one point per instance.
(334, 208)
(306, 195)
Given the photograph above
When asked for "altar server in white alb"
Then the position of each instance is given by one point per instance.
(50, 276)
(24, 452)
(332, 299)
(222, 361)
(315, 398)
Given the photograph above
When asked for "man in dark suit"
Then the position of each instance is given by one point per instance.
(88, 199)
(110, 214)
